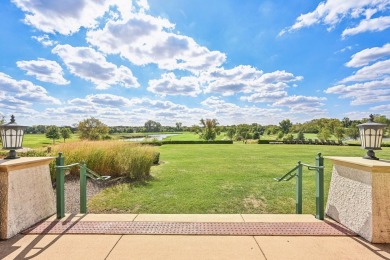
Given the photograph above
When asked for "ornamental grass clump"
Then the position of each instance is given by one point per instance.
(111, 158)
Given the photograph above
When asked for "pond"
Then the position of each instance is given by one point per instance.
(158, 137)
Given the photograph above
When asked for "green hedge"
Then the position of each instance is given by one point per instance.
(382, 145)
(264, 141)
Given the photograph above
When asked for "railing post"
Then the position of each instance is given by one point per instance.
(60, 179)
(320, 187)
(83, 188)
(298, 206)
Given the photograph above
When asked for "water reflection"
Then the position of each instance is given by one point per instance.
(158, 137)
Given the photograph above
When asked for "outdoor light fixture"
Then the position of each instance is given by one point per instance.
(371, 136)
(12, 137)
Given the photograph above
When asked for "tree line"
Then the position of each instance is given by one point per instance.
(208, 129)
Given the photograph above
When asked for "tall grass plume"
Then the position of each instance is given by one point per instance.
(111, 158)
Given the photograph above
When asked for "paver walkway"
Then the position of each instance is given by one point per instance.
(118, 246)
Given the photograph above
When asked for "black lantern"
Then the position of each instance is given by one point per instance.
(12, 137)
(371, 136)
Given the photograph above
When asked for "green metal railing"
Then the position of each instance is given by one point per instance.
(60, 181)
(297, 172)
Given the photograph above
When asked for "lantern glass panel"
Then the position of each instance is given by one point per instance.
(11, 136)
(371, 138)
(379, 138)
(19, 139)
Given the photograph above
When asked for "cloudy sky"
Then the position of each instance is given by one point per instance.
(125, 62)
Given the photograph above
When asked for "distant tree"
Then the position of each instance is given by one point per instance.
(383, 120)
(179, 126)
(256, 135)
(353, 132)
(285, 125)
(324, 134)
(339, 132)
(65, 133)
(301, 136)
(280, 135)
(53, 132)
(195, 129)
(209, 129)
(346, 122)
(231, 132)
(290, 137)
(271, 129)
(92, 129)
(248, 135)
(152, 126)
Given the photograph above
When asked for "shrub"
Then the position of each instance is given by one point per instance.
(109, 157)
(301, 136)
(239, 138)
(290, 137)
(156, 158)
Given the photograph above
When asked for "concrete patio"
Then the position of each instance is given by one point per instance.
(108, 246)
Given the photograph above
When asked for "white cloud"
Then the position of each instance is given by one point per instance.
(44, 70)
(332, 12)
(378, 70)
(24, 92)
(381, 108)
(10, 101)
(143, 4)
(302, 104)
(371, 25)
(91, 65)
(265, 96)
(115, 110)
(67, 16)
(230, 113)
(370, 97)
(102, 100)
(370, 92)
(143, 39)
(170, 85)
(45, 40)
(370, 84)
(219, 104)
(246, 79)
(369, 55)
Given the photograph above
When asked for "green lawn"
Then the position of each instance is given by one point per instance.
(223, 179)
(40, 140)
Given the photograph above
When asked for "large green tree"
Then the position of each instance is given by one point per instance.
(53, 132)
(209, 131)
(152, 126)
(92, 129)
(353, 132)
(339, 132)
(324, 134)
(231, 132)
(65, 133)
(285, 125)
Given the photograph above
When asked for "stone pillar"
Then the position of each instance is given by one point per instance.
(359, 196)
(26, 194)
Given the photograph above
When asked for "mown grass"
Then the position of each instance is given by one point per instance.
(223, 179)
(40, 140)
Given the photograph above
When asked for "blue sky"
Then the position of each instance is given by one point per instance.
(125, 62)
